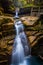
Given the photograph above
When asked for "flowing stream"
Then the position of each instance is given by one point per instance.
(21, 47)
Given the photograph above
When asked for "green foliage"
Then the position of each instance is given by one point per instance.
(7, 5)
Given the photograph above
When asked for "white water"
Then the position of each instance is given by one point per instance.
(23, 63)
(16, 16)
(19, 49)
(20, 46)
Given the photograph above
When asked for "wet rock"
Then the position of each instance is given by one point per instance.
(7, 33)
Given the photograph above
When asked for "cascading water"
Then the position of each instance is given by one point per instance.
(20, 47)
(17, 10)
(18, 52)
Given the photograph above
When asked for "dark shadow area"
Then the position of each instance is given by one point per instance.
(38, 48)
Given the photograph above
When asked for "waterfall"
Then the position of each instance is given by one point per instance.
(16, 13)
(21, 49)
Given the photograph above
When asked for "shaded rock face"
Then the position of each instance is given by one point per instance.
(38, 48)
(7, 35)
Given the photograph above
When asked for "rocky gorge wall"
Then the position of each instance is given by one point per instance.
(34, 32)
